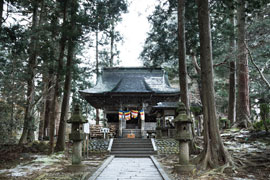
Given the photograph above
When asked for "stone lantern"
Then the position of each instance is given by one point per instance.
(77, 135)
(183, 135)
(158, 128)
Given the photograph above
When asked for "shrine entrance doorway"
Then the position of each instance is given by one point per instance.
(133, 123)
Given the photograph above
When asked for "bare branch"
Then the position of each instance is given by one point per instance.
(258, 69)
(224, 62)
(195, 63)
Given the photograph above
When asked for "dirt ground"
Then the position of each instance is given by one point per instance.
(29, 163)
(250, 151)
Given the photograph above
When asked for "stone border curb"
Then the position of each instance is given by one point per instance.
(159, 168)
(154, 144)
(110, 145)
(100, 170)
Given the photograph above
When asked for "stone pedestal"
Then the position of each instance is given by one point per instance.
(183, 166)
(77, 152)
(184, 153)
(188, 168)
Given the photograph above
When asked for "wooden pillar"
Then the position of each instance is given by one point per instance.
(124, 124)
(143, 122)
(120, 130)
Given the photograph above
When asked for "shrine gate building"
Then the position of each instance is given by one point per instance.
(132, 91)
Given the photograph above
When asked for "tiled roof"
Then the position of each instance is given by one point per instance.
(132, 80)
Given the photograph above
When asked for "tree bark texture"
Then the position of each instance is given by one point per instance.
(214, 153)
(48, 108)
(265, 108)
(1, 12)
(28, 118)
(232, 77)
(60, 144)
(112, 43)
(97, 117)
(97, 66)
(232, 97)
(182, 55)
(97, 63)
(68, 77)
(42, 113)
(243, 112)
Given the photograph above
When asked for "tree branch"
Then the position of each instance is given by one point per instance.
(224, 62)
(258, 69)
(197, 67)
(195, 63)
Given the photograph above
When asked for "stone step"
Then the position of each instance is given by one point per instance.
(132, 145)
(132, 155)
(133, 152)
(131, 149)
(130, 140)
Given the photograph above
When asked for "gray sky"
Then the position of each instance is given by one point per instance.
(134, 28)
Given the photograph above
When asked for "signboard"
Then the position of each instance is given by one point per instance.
(104, 130)
(86, 128)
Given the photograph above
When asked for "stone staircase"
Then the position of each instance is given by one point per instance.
(132, 147)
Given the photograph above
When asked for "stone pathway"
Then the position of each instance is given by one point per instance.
(130, 168)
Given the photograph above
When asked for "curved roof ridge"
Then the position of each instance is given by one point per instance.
(117, 85)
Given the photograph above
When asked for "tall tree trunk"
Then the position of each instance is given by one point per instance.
(66, 97)
(42, 114)
(232, 77)
(57, 116)
(264, 108)
(182, 55)
(112, 43)
(242, 112)
(55, 96)
(60, 144)
(183, 66)
(97, 117)
(44, 81)
(232, 97)
(214, 153)
(12, 98)
(48, 109)
(97, 71)
(28, 118)
(1, 12)
(68, 77)
(97, 63)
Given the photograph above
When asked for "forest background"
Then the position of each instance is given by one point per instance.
(41, 70)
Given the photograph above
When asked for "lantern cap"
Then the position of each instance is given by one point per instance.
(76, 116)
(182, 116)
(181, 108)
